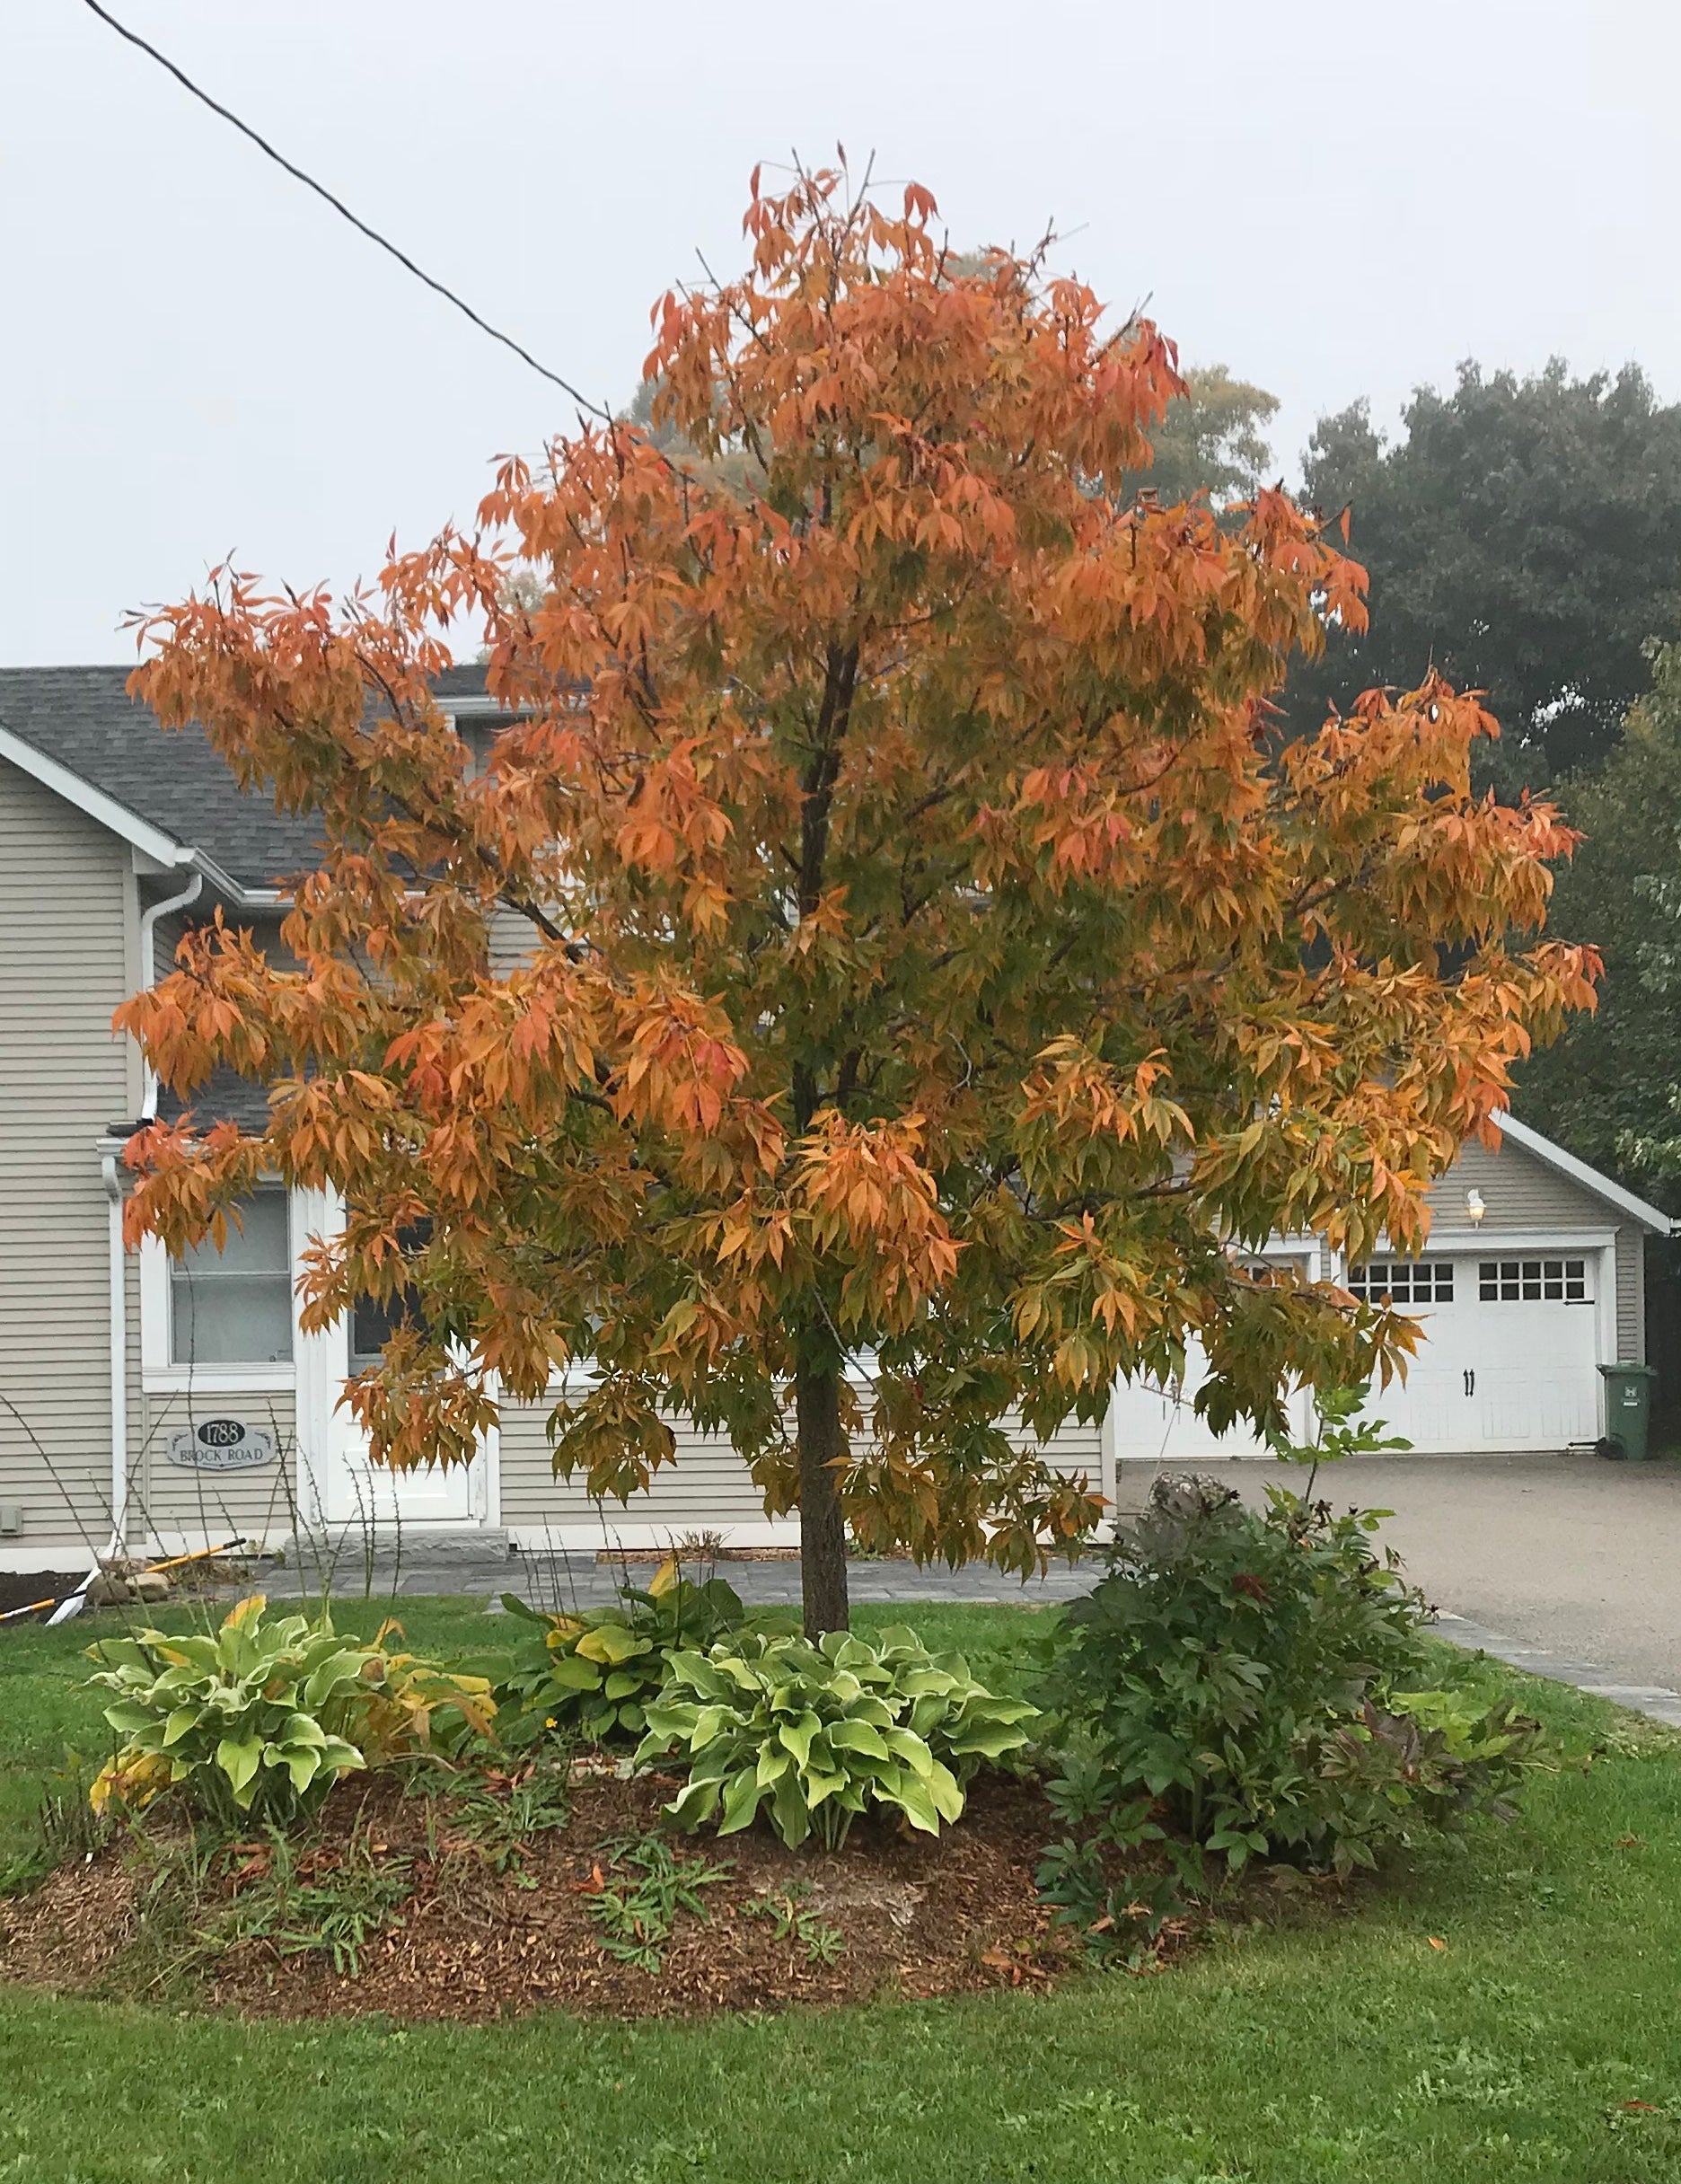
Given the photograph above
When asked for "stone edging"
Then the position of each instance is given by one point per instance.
(1654, 1700)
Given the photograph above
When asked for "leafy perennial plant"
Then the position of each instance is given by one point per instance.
(820, 1733)
(261, 1718)
(1244, 1686)
(592, 1676)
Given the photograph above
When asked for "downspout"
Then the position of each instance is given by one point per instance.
(148, 972)
(113, 1193)
(119, 1359)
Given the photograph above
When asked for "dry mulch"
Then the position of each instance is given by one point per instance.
(20, 1588)
(918, 1918)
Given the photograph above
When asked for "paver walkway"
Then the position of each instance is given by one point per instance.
(1565, 1565)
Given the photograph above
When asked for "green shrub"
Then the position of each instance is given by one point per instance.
(590, 1677)
(820, 1733)
(259, 1720)
(1245, 1684)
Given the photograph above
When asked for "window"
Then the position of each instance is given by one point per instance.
(1532, 1282)
(373, 1321)
(233, 1306)
(1405, 1281)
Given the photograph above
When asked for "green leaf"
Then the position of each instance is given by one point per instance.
(916, 1801)
(239, 1759)
(789, 1810)
(742, 1794)
(571, 1674)
(796, 1737)
(855, 1735)
(611, 1644)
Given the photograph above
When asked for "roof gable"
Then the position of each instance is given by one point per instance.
(1625, 1202)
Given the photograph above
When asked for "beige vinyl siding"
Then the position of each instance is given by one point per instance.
(1518, 1191)
(1631, 1296)
(176, 1503)
(707, 1487)
(65, 885)
(511, 940)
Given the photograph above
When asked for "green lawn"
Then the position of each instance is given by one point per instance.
(1348, 2047)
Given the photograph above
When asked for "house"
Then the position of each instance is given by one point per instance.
(175, 1403)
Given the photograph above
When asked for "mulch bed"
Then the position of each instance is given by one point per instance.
(918, 1917)
(18, 1588)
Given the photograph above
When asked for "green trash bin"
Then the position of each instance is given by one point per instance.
(1628, 1409)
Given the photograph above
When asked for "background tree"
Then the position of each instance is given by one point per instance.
(1611, 1088)
(1211, 439)
(1524, 537)
(935, 971)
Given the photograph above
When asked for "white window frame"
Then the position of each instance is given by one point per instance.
(159, 1373)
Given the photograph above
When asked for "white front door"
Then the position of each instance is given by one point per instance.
(345, 1487)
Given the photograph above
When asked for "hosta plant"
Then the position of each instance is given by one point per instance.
(591, 1675)
(260, 1718)
(819, 1734)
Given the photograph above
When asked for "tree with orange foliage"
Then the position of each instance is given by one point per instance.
(935, 971)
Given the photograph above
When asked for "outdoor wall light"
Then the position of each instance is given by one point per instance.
(1475, 1207)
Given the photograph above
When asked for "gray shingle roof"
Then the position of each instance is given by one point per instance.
(226, 1097)
(85, 718)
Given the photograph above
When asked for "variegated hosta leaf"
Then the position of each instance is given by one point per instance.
(818, 1734)
(262, 1717)
(595, 1676)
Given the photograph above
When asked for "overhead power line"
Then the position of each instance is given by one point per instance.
(344, 211)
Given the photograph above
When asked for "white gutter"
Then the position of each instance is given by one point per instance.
(148, 971)
(119, 1358)
(114, 1208)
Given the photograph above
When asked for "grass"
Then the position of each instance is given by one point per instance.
(1507, 2009)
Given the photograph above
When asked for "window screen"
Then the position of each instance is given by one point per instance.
(1405, 1281)
(1532, 1282)
(233, 1306)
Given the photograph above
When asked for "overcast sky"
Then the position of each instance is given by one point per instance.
(200, 357)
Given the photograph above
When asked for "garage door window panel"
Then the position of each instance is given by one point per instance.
(1403, 1281)
(1532, 1282)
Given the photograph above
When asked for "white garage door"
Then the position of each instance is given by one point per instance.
(1156, 1422)
(1509, 1360)
(1510, 1354)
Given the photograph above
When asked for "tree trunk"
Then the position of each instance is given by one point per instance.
(823, 1527)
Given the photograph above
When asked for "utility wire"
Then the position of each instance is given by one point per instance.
(344, 211)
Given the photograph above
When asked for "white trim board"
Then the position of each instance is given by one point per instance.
(51, 773)
(1491, 1243)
